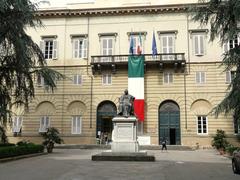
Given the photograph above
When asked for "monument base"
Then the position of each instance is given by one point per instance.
(123, 156)
(124, 134)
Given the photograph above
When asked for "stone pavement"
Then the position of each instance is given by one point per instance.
(76, 164)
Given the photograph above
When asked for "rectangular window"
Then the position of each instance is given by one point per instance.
(49, 48)
(138, 47)
(40, 81)
(79, 48)
(202, 125)
(107, 48)
(229, 76)
(77, 79)
(17, 124)
(44, 124)
(199, 44)
(106, 79)
(167, 46)
(231, 44)
(200, 77)
(76, 125)
(167, 77)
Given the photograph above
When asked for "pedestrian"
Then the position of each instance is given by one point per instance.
(164, 144)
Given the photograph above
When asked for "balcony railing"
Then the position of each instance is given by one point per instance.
(148, 58)
(114, 62)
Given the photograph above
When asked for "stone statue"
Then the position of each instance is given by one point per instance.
(126, 104)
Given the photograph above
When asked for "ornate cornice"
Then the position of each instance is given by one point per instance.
(113, 11)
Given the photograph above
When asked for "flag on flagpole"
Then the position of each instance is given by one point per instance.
(136, 84)
(131, 45)
(154, 45)
(139, 47)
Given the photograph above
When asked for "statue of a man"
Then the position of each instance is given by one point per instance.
(126, 104)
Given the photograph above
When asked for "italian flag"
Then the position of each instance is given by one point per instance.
(136, 84)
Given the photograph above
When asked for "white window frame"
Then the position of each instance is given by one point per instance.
(202, 77)
(17, 124)
(167, 48)
(79, 47)
(135, 39)
(77, 79)
(229, 76)
(168, 77)
(40, 81)
(201, 124)
(107, 79)
(45, 46)
(199, 44)
(45, 125)
(78, 121)
(233, 43)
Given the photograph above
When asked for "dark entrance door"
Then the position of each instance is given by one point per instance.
(105, 112)
(169, 123)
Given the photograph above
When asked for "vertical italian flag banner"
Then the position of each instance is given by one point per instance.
(136, 84)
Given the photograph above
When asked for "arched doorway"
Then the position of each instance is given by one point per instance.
(105, 112)
(169, 123)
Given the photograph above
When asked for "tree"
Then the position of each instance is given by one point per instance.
(21, 60)
(224, 19)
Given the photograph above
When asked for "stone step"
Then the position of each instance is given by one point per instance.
(101, 146)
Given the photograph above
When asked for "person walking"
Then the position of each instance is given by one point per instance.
(164, 144)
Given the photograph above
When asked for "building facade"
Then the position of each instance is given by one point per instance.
(89, 44)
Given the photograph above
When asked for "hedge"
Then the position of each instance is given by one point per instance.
(20, 150)
(6, 144)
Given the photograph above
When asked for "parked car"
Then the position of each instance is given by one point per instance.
(236, 162)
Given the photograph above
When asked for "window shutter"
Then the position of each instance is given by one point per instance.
(55, 46)
(109, 79)
(104, 79)
(75, 48)
(196, 47)
(41, 124)
(228, 76)
(197, 77)
(78, 125)
(47, 123)
(19, 124)
(42, 47)
(110, 46)
(164, 44)
(170, 44)
(85, 48)
(170, 77)
(79, 79)
(201, 39)
(202, 77)
(225, 47)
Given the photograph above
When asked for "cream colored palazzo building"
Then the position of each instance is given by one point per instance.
(89, 44)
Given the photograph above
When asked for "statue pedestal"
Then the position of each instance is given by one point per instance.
(124, 134)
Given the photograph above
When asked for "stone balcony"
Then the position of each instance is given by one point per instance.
(115, 63)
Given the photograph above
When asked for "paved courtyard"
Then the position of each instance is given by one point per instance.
(76, 164)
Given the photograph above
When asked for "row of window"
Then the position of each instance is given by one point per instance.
(202, 125)
(49, 46)
(45, 123)
(167, 78)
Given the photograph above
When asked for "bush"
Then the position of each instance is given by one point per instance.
(230, 149)
(12, 151)
(6, 145)
(3, 136)
(219, 140)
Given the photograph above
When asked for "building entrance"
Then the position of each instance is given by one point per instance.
(105, 113)
(169, 123)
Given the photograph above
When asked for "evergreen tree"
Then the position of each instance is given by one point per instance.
(21, 60)
(224, 19)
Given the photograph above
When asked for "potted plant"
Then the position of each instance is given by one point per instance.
(50, 138)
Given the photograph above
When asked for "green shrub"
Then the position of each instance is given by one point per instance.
(219, 140)
(6, 145)
(20, 150)
(231, 148)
